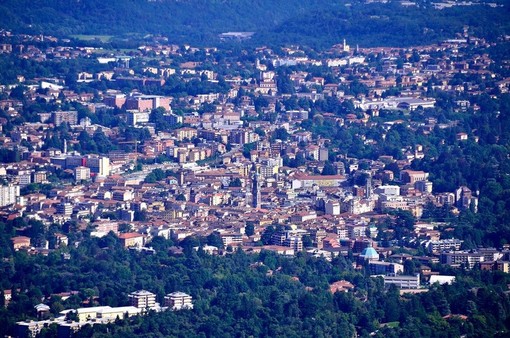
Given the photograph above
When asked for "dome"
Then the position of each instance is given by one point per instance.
(370, 254)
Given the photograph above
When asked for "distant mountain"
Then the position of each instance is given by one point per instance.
(312, 22)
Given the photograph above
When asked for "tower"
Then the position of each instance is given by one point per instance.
(256, 191)
(65, 146)
(368, 187)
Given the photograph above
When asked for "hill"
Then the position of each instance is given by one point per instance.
(307, 22)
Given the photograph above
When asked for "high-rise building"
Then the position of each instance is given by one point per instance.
(81, 173)
(8, 194)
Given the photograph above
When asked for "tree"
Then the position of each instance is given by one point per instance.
(249, 230)
(328, 169)
(236, 182)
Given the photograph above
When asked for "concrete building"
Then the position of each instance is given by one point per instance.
(135, 118)
(9, 194)
(178, 301)
(59, 117)
(142, 299)
(65, 209)
(81, 174)
(403, 282)
(443, 245)
(466, 258)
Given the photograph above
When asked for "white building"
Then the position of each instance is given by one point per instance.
(81, 173)
(178, 301)
(8, 194)
(403, 282)
(142, 299)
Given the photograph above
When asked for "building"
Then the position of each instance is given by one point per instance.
(403, 282)
(178, 301)
(467, 258)
(99, 165)
(132, 239)
(444, 245)
(369, 254)
(20, 242)
(81, 174)
(413, 176)
(147, 102)
(142, 299)
(112, 313)
(9, 194)
(307, 181)
(256, 191)
(185, 133)
(135, 118)
(385, 268)
(332, 208)
(65, 209)
(59, 117)
(231, 239)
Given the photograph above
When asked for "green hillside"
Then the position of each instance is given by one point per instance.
(310, 22)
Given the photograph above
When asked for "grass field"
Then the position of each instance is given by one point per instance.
(102, 38)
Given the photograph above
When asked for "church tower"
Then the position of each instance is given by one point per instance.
(256, 191)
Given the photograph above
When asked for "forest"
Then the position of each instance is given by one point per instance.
(243, 295)
(317, 24)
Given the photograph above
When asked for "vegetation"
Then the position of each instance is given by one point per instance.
(244, 295)
(312, 23)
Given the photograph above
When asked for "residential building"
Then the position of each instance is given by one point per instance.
(142, 299)
(178, 301)
(81, 174)
(9, 194)
(59, 117)
(467, 258)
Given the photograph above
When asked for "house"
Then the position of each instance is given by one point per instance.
(341, 286)
(130, 239)
(20, 242)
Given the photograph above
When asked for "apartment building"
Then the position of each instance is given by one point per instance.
(142, 299)
(178, 301)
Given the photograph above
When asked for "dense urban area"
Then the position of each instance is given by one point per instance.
(235, 191)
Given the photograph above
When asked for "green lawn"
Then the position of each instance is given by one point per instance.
(102, 38)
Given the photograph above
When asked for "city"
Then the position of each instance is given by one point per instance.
(334, 154)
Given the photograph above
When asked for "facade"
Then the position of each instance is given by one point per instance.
(413, 176)
(135, 118)
(20, 242)
(382, 268)
(467, 258)
(81, 173)
(256, 191)
(65, 209)
(147, 102)
(9, 194)
(308, 181)
(132, 239)
(444, 245)
(59, 117)
(403, 282)
(178, 301)
(142, 299)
